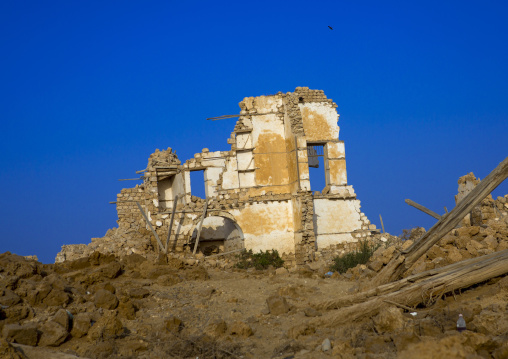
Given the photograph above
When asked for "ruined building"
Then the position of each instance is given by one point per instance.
(259, 193)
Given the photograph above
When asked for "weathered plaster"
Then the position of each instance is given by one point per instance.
(259, 193)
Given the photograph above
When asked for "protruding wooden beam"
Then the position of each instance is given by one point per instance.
(408, 257)
(382, 225)
(423, 209)
(222, 117)
(199, 227)
(159, 243)
(175, 202)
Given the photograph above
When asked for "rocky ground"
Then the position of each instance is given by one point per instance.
(103, 306)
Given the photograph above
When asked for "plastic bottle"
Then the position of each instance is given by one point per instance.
(461, 324)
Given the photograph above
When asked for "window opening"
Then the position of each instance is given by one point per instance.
(316, 156)
(197, 179)
(166, 196)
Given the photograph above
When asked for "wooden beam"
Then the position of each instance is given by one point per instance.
(222, 117)
(131, 179)
(382, 225)
(430, 287)
(175, 202)
(150, 225)
(199, 227)
(423, 209)
(404, 260)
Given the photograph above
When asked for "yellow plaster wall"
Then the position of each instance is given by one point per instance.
(267, 226)
(319, 122)
(337, 172)
(270, 159)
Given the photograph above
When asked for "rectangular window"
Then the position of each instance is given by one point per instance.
(315, 154)
(197, 179)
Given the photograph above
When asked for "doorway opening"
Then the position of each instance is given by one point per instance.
(218, 235)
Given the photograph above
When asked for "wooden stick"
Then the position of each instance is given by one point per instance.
(131, 179)
(222, 117)
(445, 209)
(425, 291)
(171, 222)
(408, 257)
(451, 269)
(382, 225)
(150, 225)
(224, 253)
(423, 209)
(199, 228)
(399, 305)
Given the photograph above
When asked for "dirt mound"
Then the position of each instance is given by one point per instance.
(75, 304)
(100, 305)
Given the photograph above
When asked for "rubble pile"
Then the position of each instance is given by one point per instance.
(461, 243)
(118, 241)
(82, 306)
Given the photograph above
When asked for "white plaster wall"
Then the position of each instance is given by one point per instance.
(336, 216)
(230, 175)
(335, 150)
(245, 160)
(212, 162)
(247, 179)
(266, 125)
(211, 177)
(244, 140)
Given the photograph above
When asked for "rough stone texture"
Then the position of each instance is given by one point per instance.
(53, 334)
(139, 293)
(105, 299)
(173, 324)
(240, 329)
(8, 351)
(277, 305)
(389, 320)
(23, 334)
(9, 298)
(81, 324)
(63, 318)
(108, 326)
(216, 328)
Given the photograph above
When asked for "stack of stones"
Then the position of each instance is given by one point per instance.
(118, 241)
(460, 244)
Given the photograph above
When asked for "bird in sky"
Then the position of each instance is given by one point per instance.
(331, 28)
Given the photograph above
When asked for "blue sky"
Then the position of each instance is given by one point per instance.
(90, 89)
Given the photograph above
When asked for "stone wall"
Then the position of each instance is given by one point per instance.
(260, 187)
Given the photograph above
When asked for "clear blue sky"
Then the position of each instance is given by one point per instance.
(89, 89)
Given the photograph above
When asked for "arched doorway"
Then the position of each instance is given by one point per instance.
(218, 234)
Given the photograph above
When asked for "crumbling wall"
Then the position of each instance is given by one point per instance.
(259, 191)
(487, 209)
